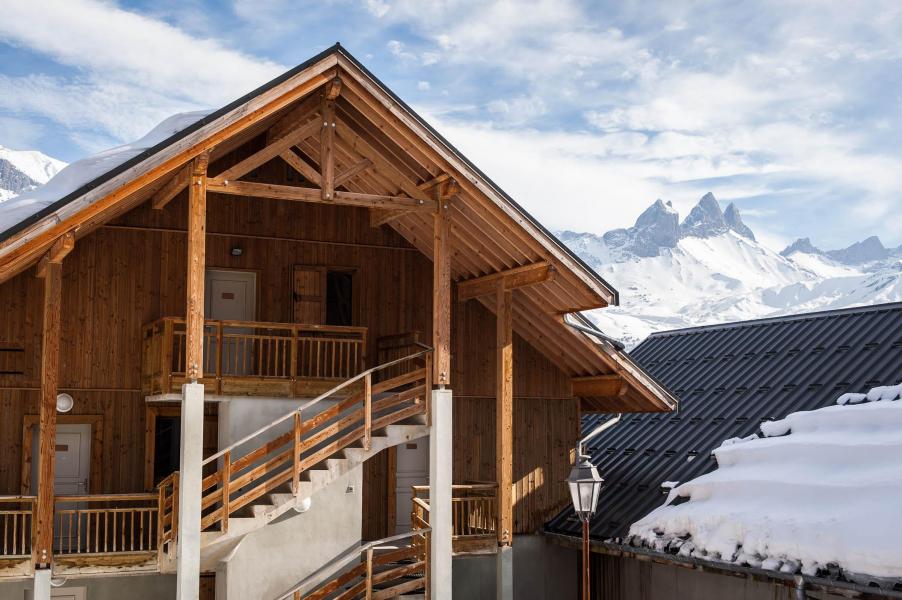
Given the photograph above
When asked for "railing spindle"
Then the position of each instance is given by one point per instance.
(226, 488)
(369, 574)
(296, 455)
(367, 410)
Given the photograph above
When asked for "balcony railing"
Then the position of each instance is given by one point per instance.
(15, 526)
(473, 515)
(105, 525)
(254, 358)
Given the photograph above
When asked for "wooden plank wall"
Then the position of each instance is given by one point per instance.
(133, 271)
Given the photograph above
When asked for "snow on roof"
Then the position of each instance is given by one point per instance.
(81, 172)
(819, 493)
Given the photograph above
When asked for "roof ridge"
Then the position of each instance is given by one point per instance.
(823, 314)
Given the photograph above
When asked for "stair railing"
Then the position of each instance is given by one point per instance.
(384, 570)
(295, 448)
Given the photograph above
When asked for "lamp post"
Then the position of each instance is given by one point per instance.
(585, 487)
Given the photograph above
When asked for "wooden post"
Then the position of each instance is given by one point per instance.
(219, 357)
(369, 574)
(175, 509)
(427, 388)
(367, 410)
(504, 403)
(226, 488)
(296, 455)
(327, 150)
(50, 269)
(197, 229)
(166, 346)
(441, 293)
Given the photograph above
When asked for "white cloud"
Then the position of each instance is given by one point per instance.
(127, 70)
(423, 86)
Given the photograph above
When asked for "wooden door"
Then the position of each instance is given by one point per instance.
(309, 289)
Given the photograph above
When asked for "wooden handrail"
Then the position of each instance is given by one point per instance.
(310, 403)
(365, 569)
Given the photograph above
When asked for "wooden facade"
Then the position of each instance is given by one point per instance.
(268, 192)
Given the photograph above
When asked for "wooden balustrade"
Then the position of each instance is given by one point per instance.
(384, 569)
(16, 518)
(254, 358)
(282, 451)
(106, 524)
(474, 515)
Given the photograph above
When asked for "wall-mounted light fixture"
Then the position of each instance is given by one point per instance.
(237, 251)
(64, 403)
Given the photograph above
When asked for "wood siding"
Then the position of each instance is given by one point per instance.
(132, 271)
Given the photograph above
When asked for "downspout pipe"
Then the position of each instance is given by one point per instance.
(595, 333)
(800, 593)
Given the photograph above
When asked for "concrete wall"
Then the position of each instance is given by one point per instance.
(133, 587)
(542, 571)
(272, 559)
(239, 416)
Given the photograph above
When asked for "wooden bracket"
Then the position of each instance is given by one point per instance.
(510, 279)
(333, 88)
(57, 252)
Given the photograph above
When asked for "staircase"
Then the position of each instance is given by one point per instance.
(280, 467)
(388, 568)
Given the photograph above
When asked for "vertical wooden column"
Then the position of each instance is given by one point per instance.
(441, 292)
(504, 405)
(50, 269)
(197, 235)
(327, 149)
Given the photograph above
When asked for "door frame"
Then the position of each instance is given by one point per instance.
(29, 422)
(258, 275)
(151, 412)
(324, 276)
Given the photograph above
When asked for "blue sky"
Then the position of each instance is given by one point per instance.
(583, 111)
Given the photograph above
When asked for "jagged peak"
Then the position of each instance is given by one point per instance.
(802, 245)
(706, 219)
(734, 221)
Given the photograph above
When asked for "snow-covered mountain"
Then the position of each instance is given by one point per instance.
(710, 269)
(24, 170)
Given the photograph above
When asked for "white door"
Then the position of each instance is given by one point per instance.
(412, 469)
(73, 459)
(231, 296)
(67, 593)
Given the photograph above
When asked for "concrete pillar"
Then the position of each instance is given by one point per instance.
(440, 472)
(188, 561)
(504, 573)
(41, 584)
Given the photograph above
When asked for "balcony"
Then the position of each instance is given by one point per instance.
(473, 516)
(249, 358)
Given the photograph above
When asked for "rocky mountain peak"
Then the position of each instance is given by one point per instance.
(802, 245)
(734, 221)
(705, 219)
(867, 250)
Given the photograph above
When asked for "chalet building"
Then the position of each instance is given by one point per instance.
(296, 347)
(731, 379)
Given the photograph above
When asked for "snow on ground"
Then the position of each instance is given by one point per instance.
(79, 173)
(819, 492)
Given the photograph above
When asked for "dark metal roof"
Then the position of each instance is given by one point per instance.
(337, 48)
(729, 379)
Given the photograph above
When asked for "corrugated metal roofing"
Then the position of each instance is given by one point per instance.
(729, 379)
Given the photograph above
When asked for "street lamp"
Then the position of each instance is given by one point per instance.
(585, 487)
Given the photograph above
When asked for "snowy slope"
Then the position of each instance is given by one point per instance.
(711, 269)
(818, 492)
(22, 170)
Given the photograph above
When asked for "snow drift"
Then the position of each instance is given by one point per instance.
(819, 492)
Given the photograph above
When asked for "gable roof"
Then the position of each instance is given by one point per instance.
(490, 230)
(731, 378)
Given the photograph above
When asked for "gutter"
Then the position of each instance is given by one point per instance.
(799, 582)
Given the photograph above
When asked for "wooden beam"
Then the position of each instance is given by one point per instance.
(298, 164)
(57, 252)
(379, 216)
(504, 407)
(171, 188)
(333, 88)
(197, 238)
(51, 271)
(327, 149)
(599, 386)
(353, 171)
(305, 194)
(427, 185)
(441, 293)
(510, 279)
(271, 151)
